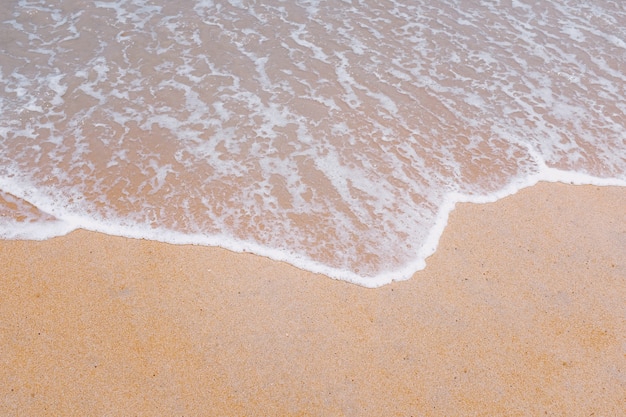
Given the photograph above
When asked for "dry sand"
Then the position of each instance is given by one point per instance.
(522, 311)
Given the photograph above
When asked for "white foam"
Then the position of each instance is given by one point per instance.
(332, 136)
(19, 230)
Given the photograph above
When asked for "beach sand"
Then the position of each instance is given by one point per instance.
(521, 311)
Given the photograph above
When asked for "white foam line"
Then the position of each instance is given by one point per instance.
(14, 230)
(69, 222)
(431, 243)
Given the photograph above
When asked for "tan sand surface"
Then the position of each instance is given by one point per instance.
(521, 311)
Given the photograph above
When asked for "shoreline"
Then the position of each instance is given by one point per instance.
(520, 311)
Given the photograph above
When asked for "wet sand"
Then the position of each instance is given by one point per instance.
(521, 311)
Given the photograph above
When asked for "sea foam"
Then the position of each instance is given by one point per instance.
(333, 136)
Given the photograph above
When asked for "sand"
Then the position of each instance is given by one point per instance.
(521, 311)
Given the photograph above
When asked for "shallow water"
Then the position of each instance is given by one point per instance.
(333, 135)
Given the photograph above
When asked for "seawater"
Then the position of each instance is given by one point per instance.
(334, 135)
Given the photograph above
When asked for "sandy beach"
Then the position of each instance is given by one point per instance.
(521, 311)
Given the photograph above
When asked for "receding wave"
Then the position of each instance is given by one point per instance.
(333, 135)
